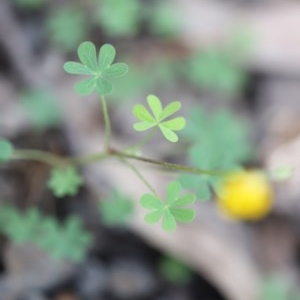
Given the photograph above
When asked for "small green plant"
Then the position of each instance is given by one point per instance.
(217, 146)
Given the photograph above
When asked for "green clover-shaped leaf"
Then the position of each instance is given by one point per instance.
(158, 117)
(100, 72)
(171, 210)
(6, 150)
(65, 182)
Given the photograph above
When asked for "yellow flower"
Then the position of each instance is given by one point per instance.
(245, 195)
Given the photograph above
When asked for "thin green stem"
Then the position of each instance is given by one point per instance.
(39, 156)
(139, 175)
(106, 123)
(144, 141)
(88, 159)
(167, 165)
(57, 161)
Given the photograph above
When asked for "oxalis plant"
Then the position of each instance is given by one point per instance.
(65, 179)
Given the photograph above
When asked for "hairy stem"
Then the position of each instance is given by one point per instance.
(58, 161)
(176, 167)
(139, 175)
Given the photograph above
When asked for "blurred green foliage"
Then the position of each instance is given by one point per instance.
(41, 108)
(117, 209)
(62, 241)
(119, 17)
(164, 19)
(65, 181)
(275, 288)
(6, 150)
(67, 27)
(218, 141)
(213, 69)
(174, 270)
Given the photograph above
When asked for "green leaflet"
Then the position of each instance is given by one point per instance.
(172, 210)
(101, 71)
(157, 117)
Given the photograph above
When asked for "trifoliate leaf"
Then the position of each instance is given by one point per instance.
(158, 118)
(6, 150)
(101, 71)
(171, 210)
(65, 182)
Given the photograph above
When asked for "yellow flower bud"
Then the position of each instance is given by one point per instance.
(245, 195)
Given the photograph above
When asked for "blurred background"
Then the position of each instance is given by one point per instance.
(235, 67)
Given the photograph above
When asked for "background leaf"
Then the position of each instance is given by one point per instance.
(6, 150)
